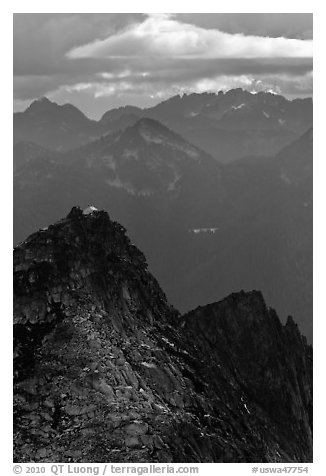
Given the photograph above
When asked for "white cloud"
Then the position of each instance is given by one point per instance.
(141, 60)
(163, 36)
(160, 91)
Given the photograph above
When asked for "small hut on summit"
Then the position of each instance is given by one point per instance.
(90, 209)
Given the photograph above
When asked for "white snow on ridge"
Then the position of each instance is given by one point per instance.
(150, 137)
(173, 144)
(149, 365)
(118, 183)
(196, 231)
(239, 107)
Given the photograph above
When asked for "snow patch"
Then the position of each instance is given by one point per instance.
(89, 210)
(174, 182)
(149, 365)
(166, 340)
(196, 231)
(127, 154)
(239, 107)
(118, 183)
(246, 408)
(173, 144)
(176, 178)
(151, 138)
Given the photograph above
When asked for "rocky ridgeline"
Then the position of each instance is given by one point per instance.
(107, 370)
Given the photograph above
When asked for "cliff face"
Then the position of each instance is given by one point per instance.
(269, 365)
(107, 370)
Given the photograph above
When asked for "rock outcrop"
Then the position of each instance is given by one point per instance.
(107, 370)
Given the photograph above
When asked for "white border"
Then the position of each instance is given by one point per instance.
(277, 6)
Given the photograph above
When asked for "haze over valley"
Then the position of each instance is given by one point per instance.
(159, 186)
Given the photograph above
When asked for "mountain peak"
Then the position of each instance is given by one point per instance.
(43, 100)
(54, 126)
(76, 255)
(105, 369)
(151, 131)
(41, 104)
(44, 105)
(116, 114)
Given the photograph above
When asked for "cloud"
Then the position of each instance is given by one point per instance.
(41, 40)
(99, 61)
(154, 72)
(162, 90)
(163, 36)
(274, 25)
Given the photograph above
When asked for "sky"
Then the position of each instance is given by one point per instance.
(101, 61)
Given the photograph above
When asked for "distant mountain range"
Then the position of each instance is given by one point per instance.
(226, 125)
(52, 126)
(170, 194)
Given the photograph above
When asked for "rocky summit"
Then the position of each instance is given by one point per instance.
(105, 369)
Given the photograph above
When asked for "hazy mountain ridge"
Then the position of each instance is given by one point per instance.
(26, 152)
(236, 123)
(160, 192)
(55, 127)
(268, 242)
(226, 125)
(146, 160)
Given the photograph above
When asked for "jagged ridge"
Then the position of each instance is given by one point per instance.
(107, 370)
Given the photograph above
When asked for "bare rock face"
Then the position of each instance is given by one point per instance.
(270, 364)
(106, 370)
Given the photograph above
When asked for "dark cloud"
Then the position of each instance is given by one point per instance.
(288, 25)
(41, 40)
